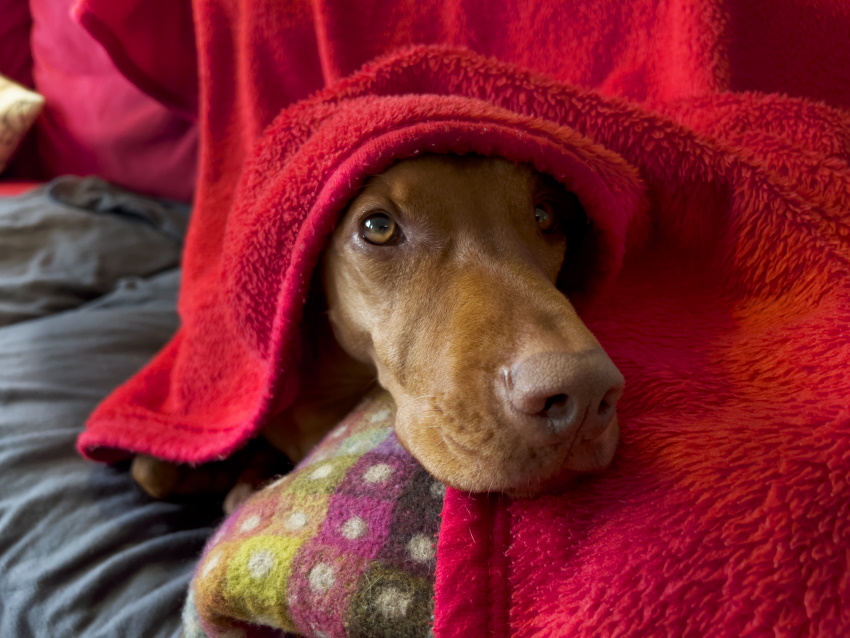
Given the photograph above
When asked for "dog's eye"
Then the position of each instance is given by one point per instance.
(379, 229)
(546, 217)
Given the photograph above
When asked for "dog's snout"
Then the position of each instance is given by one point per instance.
(557, 392)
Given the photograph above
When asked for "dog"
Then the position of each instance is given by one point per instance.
(441, 283)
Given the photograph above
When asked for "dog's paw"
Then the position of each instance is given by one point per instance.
(238, 494)
(156, 477)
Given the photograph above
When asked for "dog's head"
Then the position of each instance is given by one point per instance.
(442, 274)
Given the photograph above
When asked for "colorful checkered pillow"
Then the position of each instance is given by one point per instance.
(342, 546)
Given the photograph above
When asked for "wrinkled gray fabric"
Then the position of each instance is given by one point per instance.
(70, 241)
(83, 552)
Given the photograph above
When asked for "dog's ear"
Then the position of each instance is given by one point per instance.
(581, 250)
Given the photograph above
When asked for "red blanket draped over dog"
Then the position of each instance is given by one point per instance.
(723, 296)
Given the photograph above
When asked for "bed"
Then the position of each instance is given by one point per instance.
(88, 281)
(701, 526)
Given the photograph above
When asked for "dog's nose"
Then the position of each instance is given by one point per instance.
(557, 392)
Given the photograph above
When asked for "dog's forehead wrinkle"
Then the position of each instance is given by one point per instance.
(450, 179)
(480, 249)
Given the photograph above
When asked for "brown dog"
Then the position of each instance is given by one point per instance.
(440, 280)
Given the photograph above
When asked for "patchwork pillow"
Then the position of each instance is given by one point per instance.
(18, 110)
(342, 546)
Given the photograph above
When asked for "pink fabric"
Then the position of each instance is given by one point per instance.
(96, 121)
(157, 53)
(15, 55)
(725, 512)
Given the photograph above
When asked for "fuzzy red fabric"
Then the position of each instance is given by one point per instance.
(723, 290)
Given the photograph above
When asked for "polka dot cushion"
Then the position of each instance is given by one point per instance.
(342, 546)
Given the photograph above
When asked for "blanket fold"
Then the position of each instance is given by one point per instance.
(720, 289)
(236, 356)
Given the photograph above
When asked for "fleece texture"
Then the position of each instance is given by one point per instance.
(709, 141)
(236, 358)
(343, 546)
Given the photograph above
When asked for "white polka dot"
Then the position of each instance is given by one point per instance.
(261, 563)
(420, 548)
(380, 415)
(191, 626)
(357, 446)
(250, 523)
(212, 563)
(337, 433)
(296, 520)
(438, 490)
(393, 603)
(320, 456)
(277, 483)
(268, 621)
(217, 537)
(354, 528)
(323, 471)
(321, 577)
(378, 473)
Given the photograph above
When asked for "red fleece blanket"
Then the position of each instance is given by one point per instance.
(722, 290)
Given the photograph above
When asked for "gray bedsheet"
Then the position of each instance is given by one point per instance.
(88, 282)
